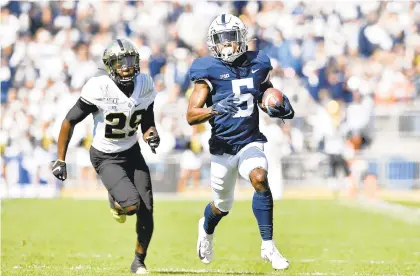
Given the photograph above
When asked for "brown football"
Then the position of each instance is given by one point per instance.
(270, 98)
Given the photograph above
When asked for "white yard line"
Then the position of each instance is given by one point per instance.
(407, 214)
(202, 271)
(233, 272)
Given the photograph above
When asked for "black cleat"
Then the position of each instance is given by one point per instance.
(138, 266)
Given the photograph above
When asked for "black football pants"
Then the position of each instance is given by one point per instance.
(127, 178)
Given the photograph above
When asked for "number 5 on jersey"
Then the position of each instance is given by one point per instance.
(247, 97)
(116, 123)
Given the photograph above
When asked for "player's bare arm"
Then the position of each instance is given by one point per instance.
(197, 113)
(76, 114)
(66, 132)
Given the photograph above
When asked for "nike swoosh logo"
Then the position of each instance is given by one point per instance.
(199, 252)
(57, 169)
(287, 114)
(253, 71)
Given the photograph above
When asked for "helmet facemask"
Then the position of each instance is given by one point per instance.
(124, 68)
(228, 45)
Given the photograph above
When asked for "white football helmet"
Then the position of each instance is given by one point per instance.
(227, 37)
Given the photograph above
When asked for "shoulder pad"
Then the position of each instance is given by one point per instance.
(264, 60)
(146, 85)
(100, 72)
(199, 68)
(91, 91)
(147, 91)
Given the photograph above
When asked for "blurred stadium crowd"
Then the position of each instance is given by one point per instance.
(335, 61)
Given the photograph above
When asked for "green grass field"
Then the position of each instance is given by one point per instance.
(69, 237)
(407, 203)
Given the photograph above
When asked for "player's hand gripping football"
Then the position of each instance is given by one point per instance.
(59, 170)
(226, 106)
(153, 140)
(283, 111)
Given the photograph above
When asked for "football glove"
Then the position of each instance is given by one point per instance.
(283, 111)
(153, 140)
(59, 170)
(226, 106)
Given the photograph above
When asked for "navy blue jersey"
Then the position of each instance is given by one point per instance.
(231, 133)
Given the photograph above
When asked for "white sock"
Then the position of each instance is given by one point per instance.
(269, 243)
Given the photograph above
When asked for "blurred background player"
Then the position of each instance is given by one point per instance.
(119, 102)
(191, 162)
(285, 140)
(330, 138)
(230, 83)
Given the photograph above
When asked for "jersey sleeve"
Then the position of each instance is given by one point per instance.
(265, 64)
(91, 92)
(80, 111)
(148, 91)
(199, 71)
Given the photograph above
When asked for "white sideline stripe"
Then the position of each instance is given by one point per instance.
(406, 214)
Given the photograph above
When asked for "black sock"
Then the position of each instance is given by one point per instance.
(144, 227)
(140, 256)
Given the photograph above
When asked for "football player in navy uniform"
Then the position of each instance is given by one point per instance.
(120, 102)
(230, 83)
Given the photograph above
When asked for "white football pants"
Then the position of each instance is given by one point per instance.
(225, 168)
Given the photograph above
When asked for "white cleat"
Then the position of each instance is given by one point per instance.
(269, 252)
(141, 270)
(204, 244)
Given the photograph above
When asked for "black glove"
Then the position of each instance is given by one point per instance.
(59, 170)
(153, 140)
(284, 111)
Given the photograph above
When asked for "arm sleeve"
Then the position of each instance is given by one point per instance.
(149, 119)
(80, 111)
(265, 85)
